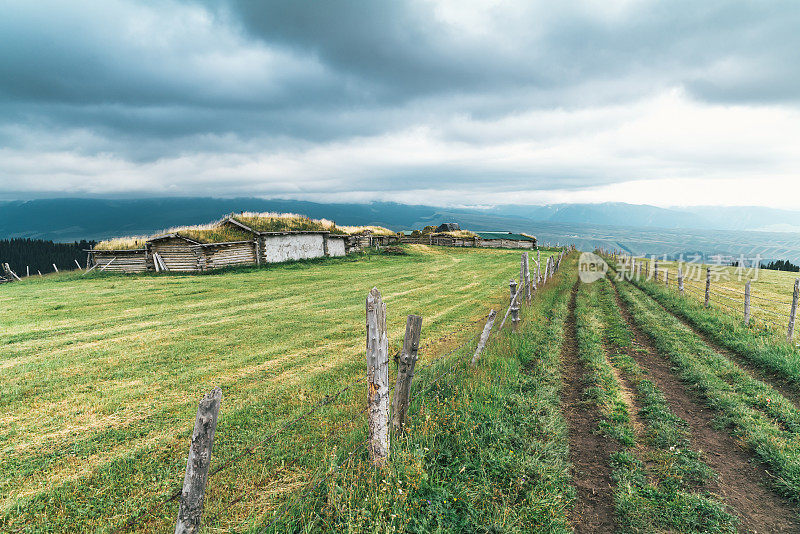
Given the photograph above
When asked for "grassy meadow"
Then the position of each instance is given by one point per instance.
(101, 375)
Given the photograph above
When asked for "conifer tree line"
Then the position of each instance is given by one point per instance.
(40, 255)
(781, 265)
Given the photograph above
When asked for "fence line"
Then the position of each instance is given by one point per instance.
(717, 291)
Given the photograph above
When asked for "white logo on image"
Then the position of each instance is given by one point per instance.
(591, 267)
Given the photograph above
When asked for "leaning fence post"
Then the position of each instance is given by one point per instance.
(54, 267)
(708, 286)
(793, 312)
(194, 482)
(484, 336)
(377, 378)
(512, 286)
(680, 280)
(405, 372)
(747, 303)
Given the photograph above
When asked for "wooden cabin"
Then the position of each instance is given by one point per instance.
(292, 245)
(506, 240)
(174, 252)
(121, 261)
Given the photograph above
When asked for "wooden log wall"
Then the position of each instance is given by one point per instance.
(229, 254)
(123, 261)
(178, 254)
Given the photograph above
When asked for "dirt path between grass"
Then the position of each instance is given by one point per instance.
(588, 450)
(780, 384)
(740, 473)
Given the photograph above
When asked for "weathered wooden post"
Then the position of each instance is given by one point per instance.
(27, 271)
(708, 286)
(793, 312)
(405, 372)
(666, 277)
(747, 303)
(525, 277)
(78, 264)
(484, 337)
(512, 286)
(377, 379)
(194, 482)
(655, 270)
(680, 280)
(54, 267)
(515, 316)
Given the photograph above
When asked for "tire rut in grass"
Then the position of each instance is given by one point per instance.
(781, 385)
(588, 450)
(740, 473)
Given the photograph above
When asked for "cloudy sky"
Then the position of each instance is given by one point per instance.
(449, 102)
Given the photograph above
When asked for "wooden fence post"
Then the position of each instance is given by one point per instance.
(405, 372)
(484, 337)
(512, 286)
(793, 312)
(666, 277)
(27, 271)
(194, 482)
(377, 378)
(655, 271)
(525, 277)
(708, 286)
(54, 267)
(78, 264)
(680, 280)
(747, 303)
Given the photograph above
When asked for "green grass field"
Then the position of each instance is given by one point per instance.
(770, 291)
(101, 375)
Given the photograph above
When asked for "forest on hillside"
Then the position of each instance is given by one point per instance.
(40, 255)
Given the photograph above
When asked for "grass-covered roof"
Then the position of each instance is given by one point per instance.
(122, 243)
(376, 230)
(209, 233)
(284, 222)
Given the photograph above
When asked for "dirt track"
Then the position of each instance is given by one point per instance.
(740, 474)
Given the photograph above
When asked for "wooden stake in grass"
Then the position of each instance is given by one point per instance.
(377, 379)
(484, 337)
(55, 268)
(666, 277)
(194, 482)
(708, 286)
(525, 277)
(793, 312)
(512, 286)
(680, 280)
(747, 303)
(405, 372)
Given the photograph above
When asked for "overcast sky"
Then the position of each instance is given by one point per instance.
(448, 102)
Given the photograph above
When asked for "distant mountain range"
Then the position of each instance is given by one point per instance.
(772, 233)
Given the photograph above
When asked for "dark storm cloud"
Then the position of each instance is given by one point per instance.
(144, 82)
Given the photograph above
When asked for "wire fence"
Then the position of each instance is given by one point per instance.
(730, 299)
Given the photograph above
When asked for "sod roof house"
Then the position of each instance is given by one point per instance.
(506, 240)
(286, 238)
(200, 248)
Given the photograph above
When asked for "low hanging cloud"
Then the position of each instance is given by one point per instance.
(449, 102)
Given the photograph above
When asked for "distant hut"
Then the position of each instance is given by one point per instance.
(361, 237)
(448, 227)
(506, 240)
